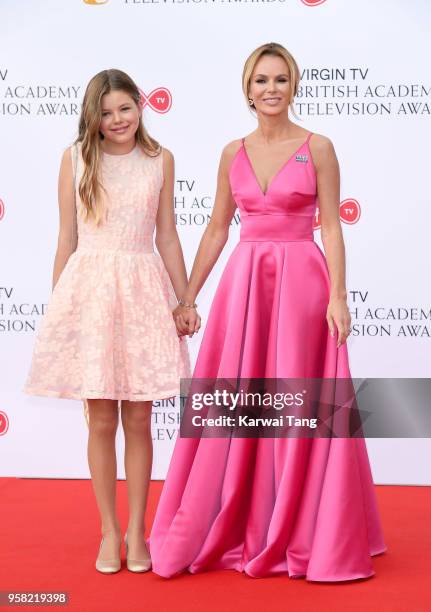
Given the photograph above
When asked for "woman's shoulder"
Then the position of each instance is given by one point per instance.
(322, 150)
(320, 143)
(166, 155)
(71, 152)
(231, 149)
(67, 158)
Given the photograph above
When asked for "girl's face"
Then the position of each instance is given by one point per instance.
(120, 117)
(270, 85)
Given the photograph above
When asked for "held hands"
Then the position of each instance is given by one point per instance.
(338, 316)
(186, 319)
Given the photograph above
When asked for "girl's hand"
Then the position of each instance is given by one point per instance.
(338, 315)
(187, 320)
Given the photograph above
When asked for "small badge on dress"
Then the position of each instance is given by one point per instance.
(301, 158)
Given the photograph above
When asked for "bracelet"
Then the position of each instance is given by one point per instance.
(181, 302)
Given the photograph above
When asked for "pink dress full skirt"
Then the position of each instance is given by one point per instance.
(270, 506)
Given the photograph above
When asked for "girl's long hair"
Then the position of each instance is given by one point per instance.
(90, 187)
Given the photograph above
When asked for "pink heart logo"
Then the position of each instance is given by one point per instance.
(4, 423)
(316, 219)
(312, 2)
(1, 210)
(160, 99)
(350, 211)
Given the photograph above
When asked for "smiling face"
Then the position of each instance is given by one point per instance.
(270, 87)
(120, 117)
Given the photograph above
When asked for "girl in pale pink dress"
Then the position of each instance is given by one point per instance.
(293, 506)
(110, 334)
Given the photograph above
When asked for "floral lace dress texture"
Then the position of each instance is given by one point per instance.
(108, 331)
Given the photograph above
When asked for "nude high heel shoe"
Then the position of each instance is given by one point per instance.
(135, 565)
(108, 566)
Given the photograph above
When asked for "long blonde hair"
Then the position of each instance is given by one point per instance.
(90, 187)
(278, 51)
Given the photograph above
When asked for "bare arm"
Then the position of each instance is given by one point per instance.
(328, 190)
(211, 245)
(167, 241)
(67, 236)
(217, 231)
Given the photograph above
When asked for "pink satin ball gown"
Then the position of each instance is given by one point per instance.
(299, 507)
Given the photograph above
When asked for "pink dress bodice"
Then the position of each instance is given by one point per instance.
(287, 209)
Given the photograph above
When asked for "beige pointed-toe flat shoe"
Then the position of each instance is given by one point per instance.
(108, 566)
(136, 565)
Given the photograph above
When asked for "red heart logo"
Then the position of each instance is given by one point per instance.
(160, 100)
(312, 2)
(350, 211)
(4, 423)
(316, 219)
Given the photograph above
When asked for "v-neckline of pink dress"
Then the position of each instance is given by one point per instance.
(279, 171)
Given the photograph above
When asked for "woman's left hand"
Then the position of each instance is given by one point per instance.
(187, 320)
(338, 316)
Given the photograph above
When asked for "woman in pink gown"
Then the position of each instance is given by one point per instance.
(294, 506)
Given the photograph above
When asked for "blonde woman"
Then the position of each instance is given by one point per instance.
(109, 336)
(302, 507)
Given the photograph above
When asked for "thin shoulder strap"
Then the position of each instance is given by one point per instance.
(308, 137)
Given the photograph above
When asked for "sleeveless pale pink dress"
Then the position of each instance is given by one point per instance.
(108, 332)
(300, 507)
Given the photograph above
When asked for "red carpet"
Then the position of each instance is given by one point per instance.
(49, 540)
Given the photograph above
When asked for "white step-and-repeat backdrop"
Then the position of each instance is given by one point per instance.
(365, 83)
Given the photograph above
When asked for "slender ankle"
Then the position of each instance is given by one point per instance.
(115, 529)
(136, 529)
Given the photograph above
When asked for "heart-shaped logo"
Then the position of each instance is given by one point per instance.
(160, 100)
(312, 2)
(316, 219)
(1, 210)
(4, 423)
(350, 213)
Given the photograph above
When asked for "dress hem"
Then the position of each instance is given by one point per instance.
(240, 568)
(138, 397)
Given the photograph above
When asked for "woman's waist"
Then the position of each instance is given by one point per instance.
(276, 227)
